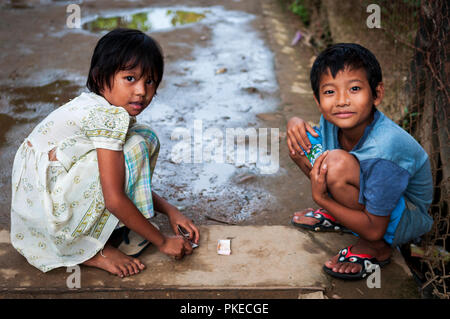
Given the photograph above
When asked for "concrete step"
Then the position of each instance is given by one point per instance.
(265, 262)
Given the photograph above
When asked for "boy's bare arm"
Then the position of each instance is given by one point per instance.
(367, 225)
(297, 139)
(302, 162)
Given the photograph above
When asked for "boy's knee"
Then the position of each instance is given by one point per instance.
(341, 166)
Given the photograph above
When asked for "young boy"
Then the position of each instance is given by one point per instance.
(373, 178)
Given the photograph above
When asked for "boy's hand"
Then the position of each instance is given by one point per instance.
(176, 219)
(296, 136)
(176, 246)
(318, 179)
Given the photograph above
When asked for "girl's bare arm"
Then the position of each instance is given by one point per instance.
(175, 217)
(111, 165)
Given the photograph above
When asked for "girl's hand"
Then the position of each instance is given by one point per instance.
(176, 246)
(296, 136)
(318, 179)
(176, 219)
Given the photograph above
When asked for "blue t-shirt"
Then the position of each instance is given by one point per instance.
(393, 167)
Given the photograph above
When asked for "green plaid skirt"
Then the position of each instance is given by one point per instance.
(141, 152)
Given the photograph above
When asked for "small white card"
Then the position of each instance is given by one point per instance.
(224, 247)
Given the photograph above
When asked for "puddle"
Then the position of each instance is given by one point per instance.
(23, 104)
(56, 92)
(6, 123)
(29, 104)
(17, 4)
(149, 20)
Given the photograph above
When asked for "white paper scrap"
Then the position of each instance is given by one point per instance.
(224, 247)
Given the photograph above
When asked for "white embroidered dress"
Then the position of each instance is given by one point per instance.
(58, 216)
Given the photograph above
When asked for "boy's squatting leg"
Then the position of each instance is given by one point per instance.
(343, 183)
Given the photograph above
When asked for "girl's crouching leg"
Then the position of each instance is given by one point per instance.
(150, 138)
(141, 153)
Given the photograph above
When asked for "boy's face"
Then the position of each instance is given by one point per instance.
(130, 90)
(347, 100)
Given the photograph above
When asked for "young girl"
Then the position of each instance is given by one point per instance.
(68, 193)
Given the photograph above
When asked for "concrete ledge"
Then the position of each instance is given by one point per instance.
(266, 262)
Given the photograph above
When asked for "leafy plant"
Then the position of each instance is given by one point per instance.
(298, 7)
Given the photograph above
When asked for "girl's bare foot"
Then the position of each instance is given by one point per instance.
(114, 261)
(380, 250)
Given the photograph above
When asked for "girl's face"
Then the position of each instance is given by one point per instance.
(130, 90)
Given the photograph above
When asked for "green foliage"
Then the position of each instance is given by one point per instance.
(298, 7)
(408, 121)
(412, 3)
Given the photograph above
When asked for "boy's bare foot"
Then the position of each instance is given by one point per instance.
(299, 217)
(380, 250)
(115, 262)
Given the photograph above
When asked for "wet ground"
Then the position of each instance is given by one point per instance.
(229, 67)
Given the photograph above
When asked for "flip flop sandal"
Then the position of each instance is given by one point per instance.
(133, 244)
(325, 222)
(365, 260)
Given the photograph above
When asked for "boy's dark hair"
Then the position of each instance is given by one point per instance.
(124, 49)
(345, 55)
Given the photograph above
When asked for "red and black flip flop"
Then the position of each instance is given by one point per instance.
(325, 222)
(368, 262)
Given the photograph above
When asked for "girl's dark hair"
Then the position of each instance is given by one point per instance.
(124, 49)
(345, 55)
